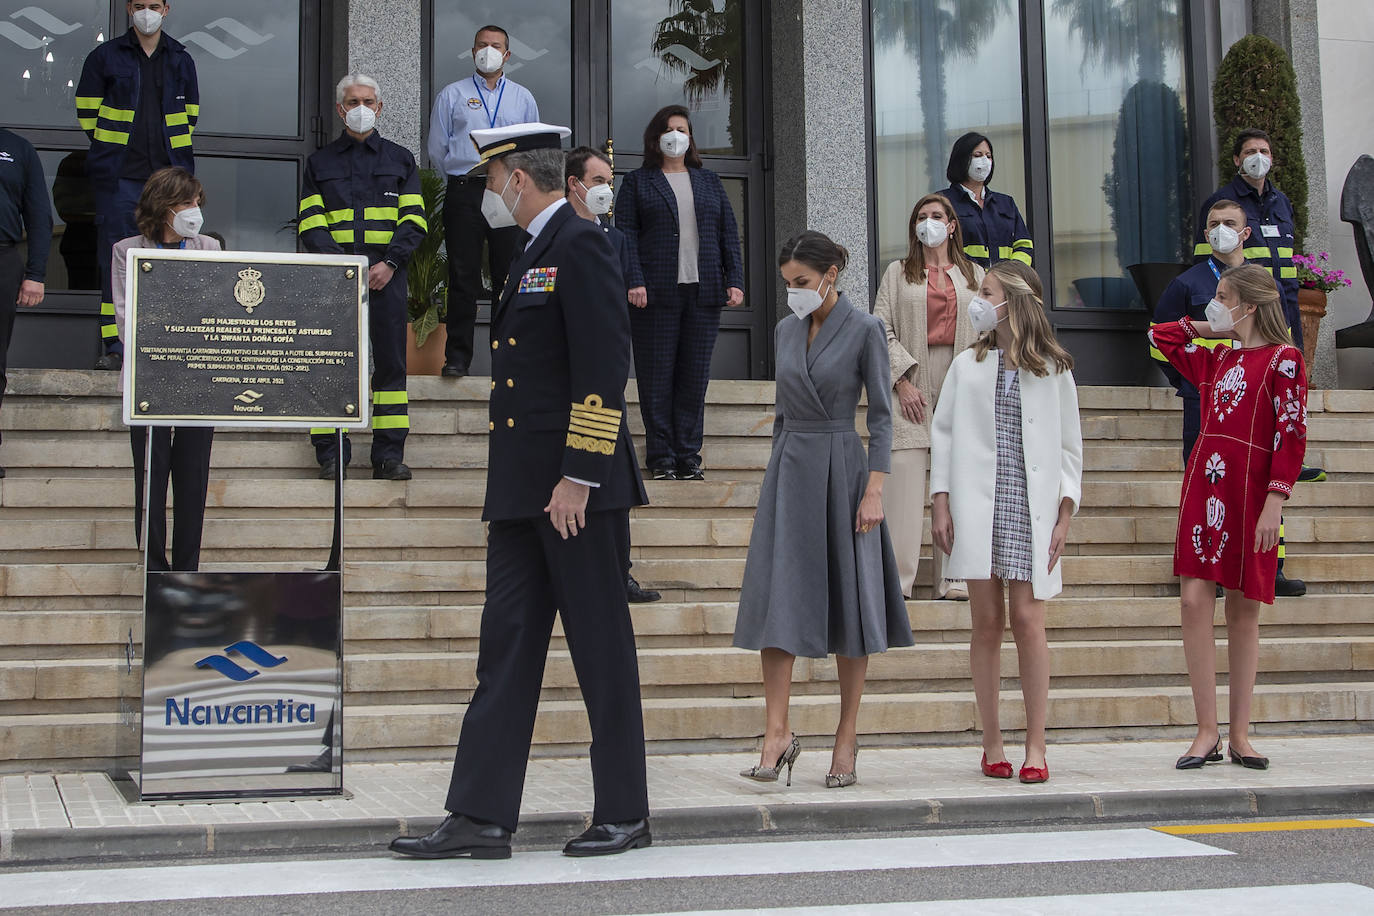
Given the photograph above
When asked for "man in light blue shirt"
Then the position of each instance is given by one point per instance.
(482, 101)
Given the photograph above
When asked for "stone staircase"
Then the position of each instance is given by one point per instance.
(70, 582)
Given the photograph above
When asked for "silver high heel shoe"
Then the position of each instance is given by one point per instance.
(840, 780)
(770, 774)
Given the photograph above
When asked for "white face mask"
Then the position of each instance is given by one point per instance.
(932, 232)
(360, 119)
(982, 314)
(186, 223)
(803, 302)
(674, 143)
(147, 21)
(980, 167)
(1223, 239)
(494, 207)
(489, 59)
(598, 198)
(1220, 317)
(1256, 165)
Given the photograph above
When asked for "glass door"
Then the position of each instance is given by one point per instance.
(603, 67)
(258, 65)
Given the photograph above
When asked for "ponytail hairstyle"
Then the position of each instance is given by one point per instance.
(1031, 340)
(816, 251)
(1253, 285)
(914, 264)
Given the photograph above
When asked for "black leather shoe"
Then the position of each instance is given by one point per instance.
(690, 470)
(635, 593)
(457, 836)
(1188, 762)
(330, 470)
(1250, 763)
(391, 469)
(110, 362)
(1285, 587)
(321, 764)
(609, 839)
(663, 472)
(452, 371)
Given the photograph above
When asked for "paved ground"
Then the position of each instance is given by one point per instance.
(68, 816)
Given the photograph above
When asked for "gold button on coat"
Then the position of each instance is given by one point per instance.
(491, 427)
(510, 383)
(496, 344)
(493, 384)
(511, 341)
(510, 423)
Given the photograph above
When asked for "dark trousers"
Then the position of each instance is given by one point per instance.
(465, 229)
(1192, 428)
(532, 574)
(114, 221)
(11, 276)
(386, 320)
(183, 453)
(674, 338)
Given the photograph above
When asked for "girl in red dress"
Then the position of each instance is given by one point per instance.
(1254, 434)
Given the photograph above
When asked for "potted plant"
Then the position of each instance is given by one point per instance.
(427, 286)
(1316, 279)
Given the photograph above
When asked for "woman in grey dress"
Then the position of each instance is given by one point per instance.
(821, 578)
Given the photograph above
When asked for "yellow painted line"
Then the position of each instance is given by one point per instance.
(1262, 827)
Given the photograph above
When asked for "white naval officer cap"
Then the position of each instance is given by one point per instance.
(494, 142)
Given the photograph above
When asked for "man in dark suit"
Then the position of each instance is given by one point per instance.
(561, 479)
(587, 176)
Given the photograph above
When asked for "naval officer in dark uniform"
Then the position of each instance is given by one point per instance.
(561, 478)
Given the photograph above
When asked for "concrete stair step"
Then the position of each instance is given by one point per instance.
(420, 731)
(1099, 575)
(377, 679)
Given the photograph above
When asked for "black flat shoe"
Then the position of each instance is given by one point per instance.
(457, 836)
(452, 371)
(1250, 763)
(609, 839)
(329, 470)
(690, 470)
(637, 594)
(1189, 762)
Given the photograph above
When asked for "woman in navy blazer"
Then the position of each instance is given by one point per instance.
(684, 265)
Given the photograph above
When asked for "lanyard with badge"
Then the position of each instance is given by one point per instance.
(491, 115)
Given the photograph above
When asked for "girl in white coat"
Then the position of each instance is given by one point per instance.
(1006, 475)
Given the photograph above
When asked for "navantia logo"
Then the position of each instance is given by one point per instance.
(46, 23)
(249, 650)
(240, 34)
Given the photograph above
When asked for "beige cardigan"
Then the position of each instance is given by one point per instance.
(902, 307)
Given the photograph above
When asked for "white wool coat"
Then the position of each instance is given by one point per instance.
(963, 462)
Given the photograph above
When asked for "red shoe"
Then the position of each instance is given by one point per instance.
(1035, 774)
(996, 770)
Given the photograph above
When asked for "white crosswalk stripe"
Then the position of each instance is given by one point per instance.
(1283, 900)
(231, 880)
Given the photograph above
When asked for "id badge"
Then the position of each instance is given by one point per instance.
(1270, 231)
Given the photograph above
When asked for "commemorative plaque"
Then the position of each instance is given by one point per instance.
(246, 338)
(241, 672)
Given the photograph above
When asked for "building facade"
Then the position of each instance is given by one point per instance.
(828, 114)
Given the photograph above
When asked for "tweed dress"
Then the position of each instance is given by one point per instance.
(1011, 522)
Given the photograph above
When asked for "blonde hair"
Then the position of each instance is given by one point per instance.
(1253, 285)
(1032, 344)
(914, 264)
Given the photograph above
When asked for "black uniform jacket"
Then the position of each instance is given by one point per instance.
(560, 339)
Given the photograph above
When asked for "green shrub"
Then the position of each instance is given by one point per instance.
(1256, 87)
(427, 272)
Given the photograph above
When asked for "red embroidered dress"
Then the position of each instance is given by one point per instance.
(1254, 435)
